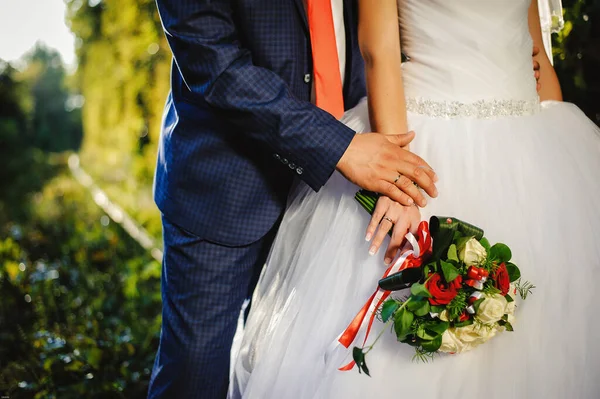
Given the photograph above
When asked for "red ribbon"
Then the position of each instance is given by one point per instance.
(349, 335)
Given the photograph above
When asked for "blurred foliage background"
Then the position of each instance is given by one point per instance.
(80, 298)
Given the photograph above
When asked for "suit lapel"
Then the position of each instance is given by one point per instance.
(302, 11)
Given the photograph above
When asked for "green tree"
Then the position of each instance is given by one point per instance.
(577, 55)
(123, 74)
(55, 126)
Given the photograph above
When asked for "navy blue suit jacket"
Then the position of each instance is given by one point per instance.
(238, 123)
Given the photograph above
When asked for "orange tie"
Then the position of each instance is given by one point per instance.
(327, 78)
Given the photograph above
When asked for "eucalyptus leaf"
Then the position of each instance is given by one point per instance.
(509, 298)
(508, 326)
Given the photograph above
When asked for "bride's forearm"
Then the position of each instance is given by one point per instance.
(549, 86)
(387, 106)
(379, 40)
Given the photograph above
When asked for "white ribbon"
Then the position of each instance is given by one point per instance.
(335, 348)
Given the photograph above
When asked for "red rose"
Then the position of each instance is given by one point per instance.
(501, 279)
(441, 292)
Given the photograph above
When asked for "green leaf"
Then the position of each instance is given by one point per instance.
(500, 252)
(388, 309)
(453, 253)
(508, 326)
(513, 272)
(438, 327)
(509, 298)
(416, 303)
(403, 320)
(450, 272)
(420, 307)
(359, 357)
(424, 334)
(433, 345)
(486, 244)
(430, 268)
(461, 242)
(423, 310)
(437, 309)
(418, 289)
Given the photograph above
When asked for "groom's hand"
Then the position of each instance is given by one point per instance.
(378, 163)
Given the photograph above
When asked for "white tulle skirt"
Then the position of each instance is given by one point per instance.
(530, 182)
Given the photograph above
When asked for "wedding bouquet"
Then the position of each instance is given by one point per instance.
(460, 290)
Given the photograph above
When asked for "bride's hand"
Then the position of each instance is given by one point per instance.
(388, 214)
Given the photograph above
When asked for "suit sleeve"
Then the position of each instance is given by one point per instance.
(220, 73)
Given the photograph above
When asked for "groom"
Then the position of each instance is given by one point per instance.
(255, 100)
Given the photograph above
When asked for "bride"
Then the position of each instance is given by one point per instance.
(524, 171)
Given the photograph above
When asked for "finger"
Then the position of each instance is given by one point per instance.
(384, 228)
(401, 140)
(414, 224)
(536, 65)
(383, 204)
(411, 157)
(394, 193)
(418, 175)
(536, 74)
(536, 51)
(400, 230)
(408, 187)
(538, 87)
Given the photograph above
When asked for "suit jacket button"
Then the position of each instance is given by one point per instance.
(284, 161)
(276, 156)
(299, 171)
(292, 165)
(307, 78)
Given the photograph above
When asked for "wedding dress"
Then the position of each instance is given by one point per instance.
(525, 172)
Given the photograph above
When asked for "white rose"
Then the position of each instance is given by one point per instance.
(511, 319)
(510, 308)
(491, 309)
(473, 253)
(451, 344)
(463, 339)
(474, 335)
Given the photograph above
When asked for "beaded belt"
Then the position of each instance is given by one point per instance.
(482, 109)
